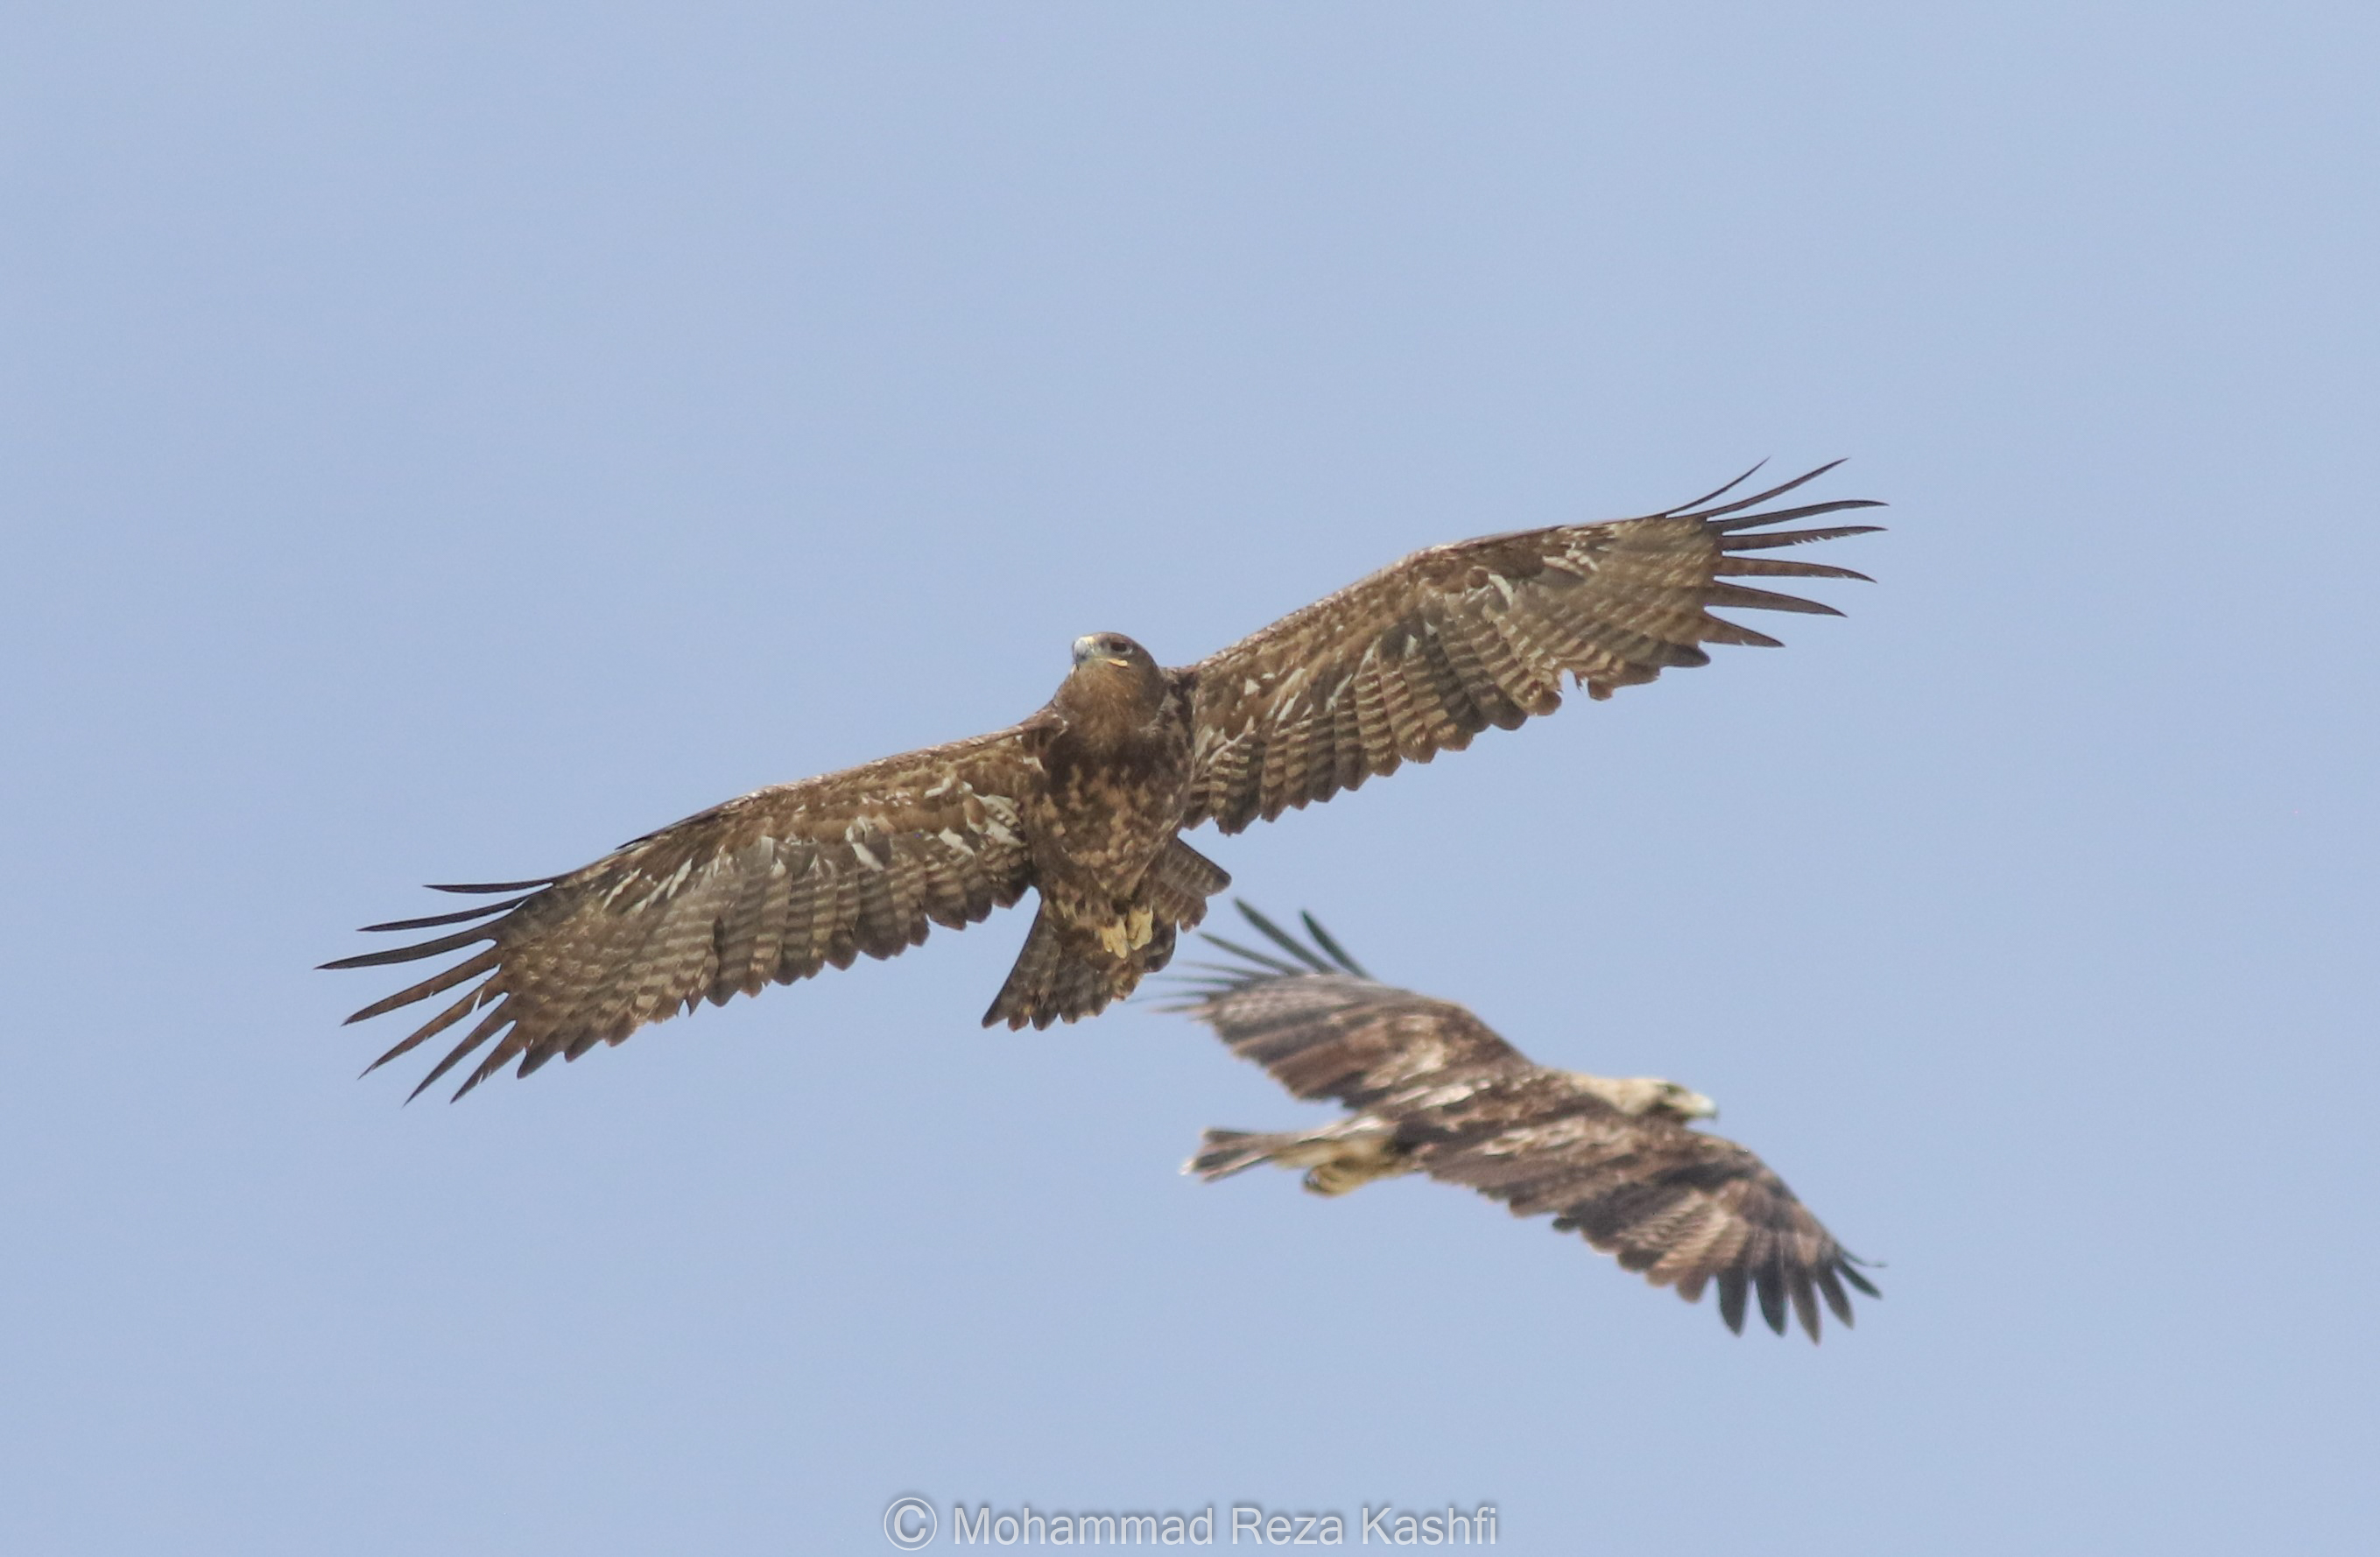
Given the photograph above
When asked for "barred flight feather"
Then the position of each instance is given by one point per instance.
(766, 888)
(1430, 652)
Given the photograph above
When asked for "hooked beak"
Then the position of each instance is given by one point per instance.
(1087, 647)
(1699, 1107)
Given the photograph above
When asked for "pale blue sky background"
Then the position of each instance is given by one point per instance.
(442, 440)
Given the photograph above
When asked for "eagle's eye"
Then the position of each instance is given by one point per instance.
(1103, 646)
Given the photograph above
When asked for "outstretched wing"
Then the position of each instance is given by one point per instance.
(1683, 1208)
(1324, 1030)
(771, 886)
(1426, 653)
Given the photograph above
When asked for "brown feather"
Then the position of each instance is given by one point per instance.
(1454, 1101)
(773, 886)
(1424, 654)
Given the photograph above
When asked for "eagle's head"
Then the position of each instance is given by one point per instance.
(1111, 648)
(1651, 1095)
(1115, 685)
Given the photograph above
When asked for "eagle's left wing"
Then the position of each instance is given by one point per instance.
(772, 886)
(1683, 1208)
(1426, 653)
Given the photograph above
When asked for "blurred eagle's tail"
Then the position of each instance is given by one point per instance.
(1223, 1153)
(1346, 1154)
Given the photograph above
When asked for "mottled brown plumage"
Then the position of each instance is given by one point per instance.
(1424, 654)
(1430, 1089)
(1112, 768)
(1084, 799)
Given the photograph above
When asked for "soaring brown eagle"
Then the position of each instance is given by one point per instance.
(1432, 1090)
(1084, 799)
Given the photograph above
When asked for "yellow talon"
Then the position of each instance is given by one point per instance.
(1116, 940)
(1141, 924)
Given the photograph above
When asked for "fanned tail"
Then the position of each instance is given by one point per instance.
(1065, 974)
(1223, 1153)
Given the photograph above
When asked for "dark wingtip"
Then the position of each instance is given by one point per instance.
(1262, 959)
(392, 1055)
(1757, 498)
(442, 1070)
(1728, 487)
(405, 1047)
(418, 952)
(1280, 937)
(1323, 938)
(460, 916)
(1731, 1299)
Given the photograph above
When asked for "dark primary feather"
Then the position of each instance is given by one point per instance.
(1680, 1207)
(1428, 653)
(773, 886)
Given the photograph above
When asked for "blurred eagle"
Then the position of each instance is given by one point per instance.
(1433, 1090)
(1083, 800)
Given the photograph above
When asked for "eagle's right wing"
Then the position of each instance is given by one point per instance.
(1325, 1029)
(771, 886)
(1428, 652)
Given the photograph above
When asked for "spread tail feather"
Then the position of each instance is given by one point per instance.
(1223, 1153)
(1337, 1157)
(1065, 974)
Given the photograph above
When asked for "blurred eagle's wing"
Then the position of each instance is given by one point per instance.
(1324, 1030)
(1679, 1205)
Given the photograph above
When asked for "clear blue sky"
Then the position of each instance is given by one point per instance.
(444, 440)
